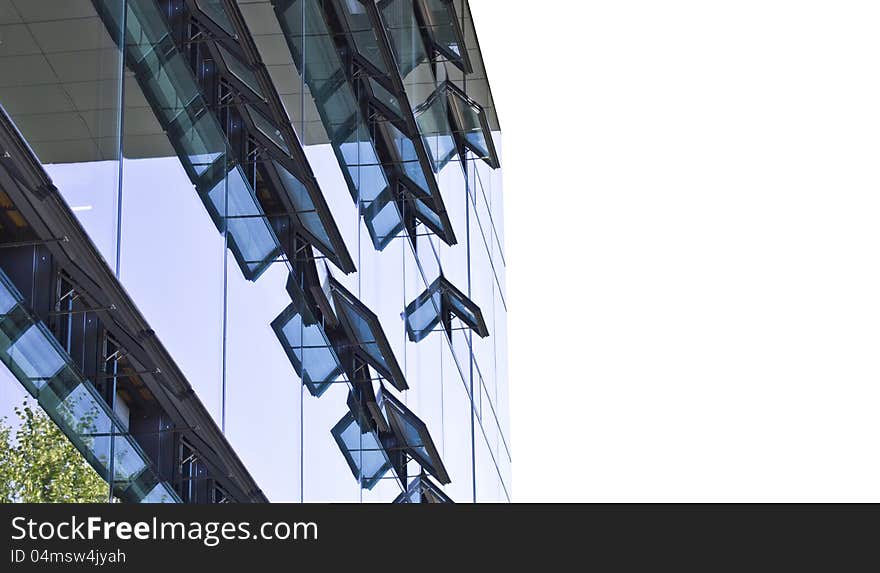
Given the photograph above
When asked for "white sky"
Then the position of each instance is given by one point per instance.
(693, 237)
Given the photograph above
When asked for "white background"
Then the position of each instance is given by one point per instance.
(693, 236)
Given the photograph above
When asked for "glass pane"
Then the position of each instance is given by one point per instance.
(240, 70)
(268, 128)
(386, 97)
(36, 356)
(405, 35)
(434, 126)
(305, 208)
(365, 39)
(214, 9)
(245, 221)
(468, 120)
(365, 455)
(443, 28)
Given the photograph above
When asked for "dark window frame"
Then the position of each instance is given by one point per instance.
(391, 369)
(396, 413)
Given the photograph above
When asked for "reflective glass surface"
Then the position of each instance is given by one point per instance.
(365, 455)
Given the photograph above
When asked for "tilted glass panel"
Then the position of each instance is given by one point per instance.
(444, 30)
(200, 140)
(363, 327)
(383, 220)
(160, 493)
(363, 166)
(422, 315)
(433, 123)
(463, 307)
(254, 244)
(171, 84)
(358, 22)
(413, 435)
(468, 120)
(423, 490)
(386, 97)
(365, 455)
(446, 299)
(215, 10)
(315, 55)
(307, 347)
(240, 70)
(41, 365)
(36, 356)
(305, 208)
(268, 128)
(409, 159)
(406, 37)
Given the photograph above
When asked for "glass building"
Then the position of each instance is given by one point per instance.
(254, 250)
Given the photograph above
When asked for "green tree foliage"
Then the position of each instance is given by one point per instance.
(38, 464)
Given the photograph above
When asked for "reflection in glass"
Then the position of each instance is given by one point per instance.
(365, 455)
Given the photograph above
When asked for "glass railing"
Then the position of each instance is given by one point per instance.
(44, 368)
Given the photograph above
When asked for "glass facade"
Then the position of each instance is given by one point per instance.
(253, 250)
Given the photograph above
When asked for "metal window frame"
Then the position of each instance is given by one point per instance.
(446, 290)
(395, 411)
(342, 297)
(420, 486)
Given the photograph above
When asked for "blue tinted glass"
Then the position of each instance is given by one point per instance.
(436, 132)
(411, 435)
(363, 166)
(366, 338)
(427, 213)
(314, 359)
(363, 452)
(305, 208)
(244, 219)
(462, 311)
(8, 299)
(409, 158)
(468, 119)
(383, 221)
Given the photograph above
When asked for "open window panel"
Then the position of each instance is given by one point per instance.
(419, 193)
(362, 449)
(398, 20)
(306, 344)
(359, 28)
(423, 490)
(438, 304)
(308, 211)
(216, 11)
(234, 66)
(447, 38)
(234, 208)
(471, 125)
(365, 332)
(411, 435)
